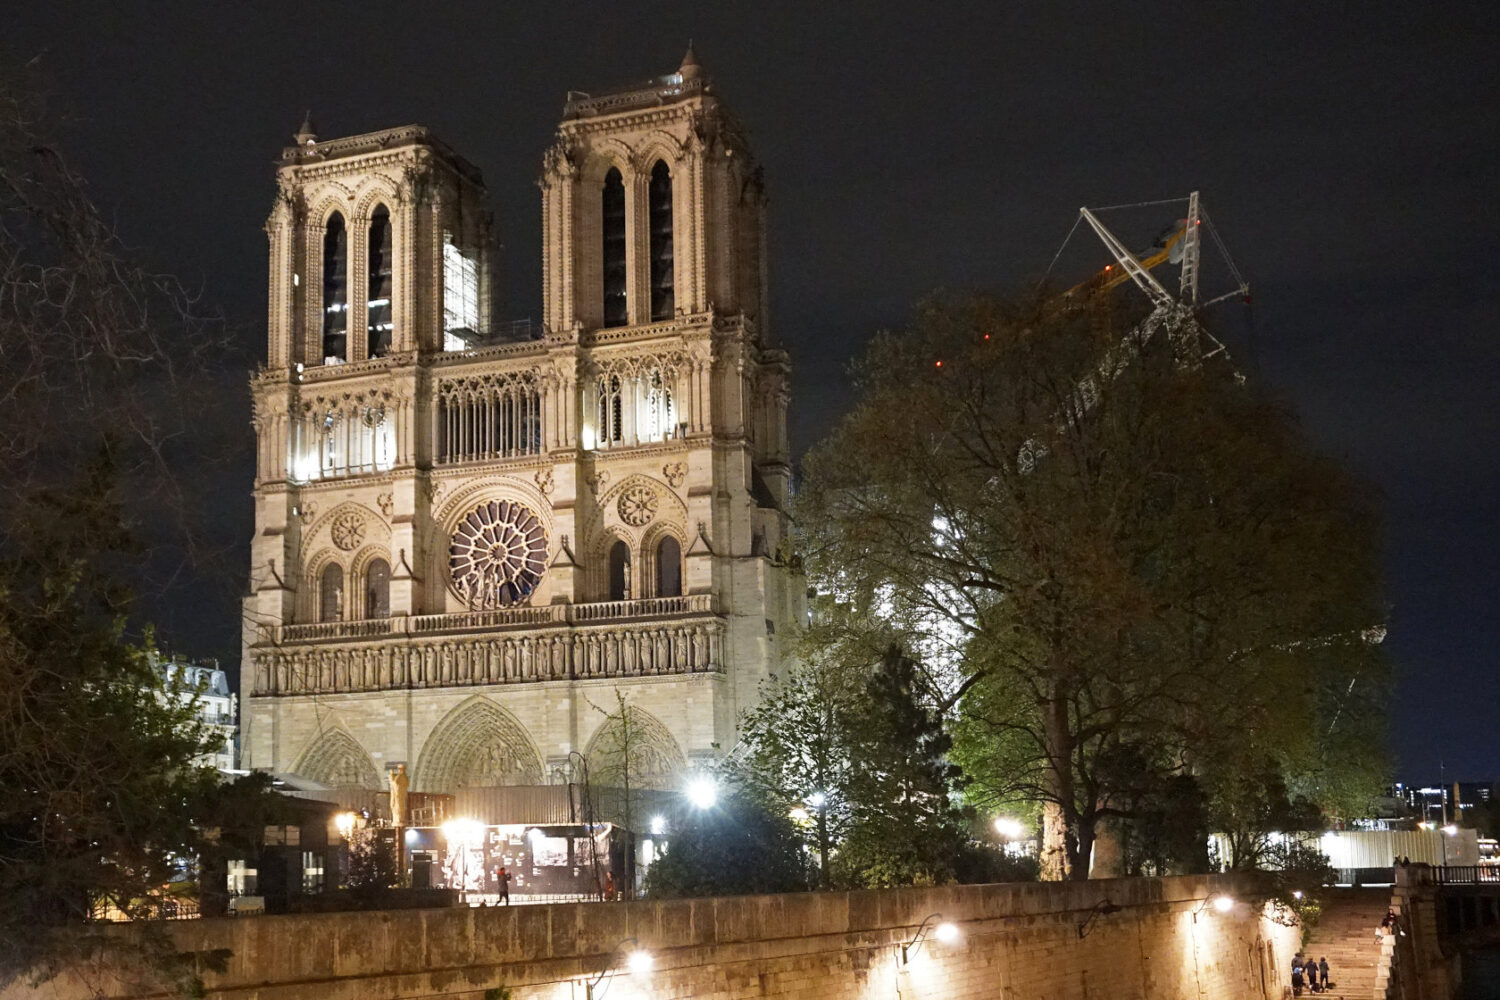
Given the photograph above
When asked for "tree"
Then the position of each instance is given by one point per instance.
(904, 827)
(1103, 554)
(798, 753)
(743, 845)
(96, 753)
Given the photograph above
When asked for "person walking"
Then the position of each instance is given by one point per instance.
(1323, 970)
(503, 880)
(1297, 976)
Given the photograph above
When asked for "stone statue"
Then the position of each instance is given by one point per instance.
(399, 782)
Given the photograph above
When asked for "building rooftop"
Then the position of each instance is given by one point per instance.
(689, 81)
(307, 149)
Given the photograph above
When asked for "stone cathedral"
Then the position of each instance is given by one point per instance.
(469, 535)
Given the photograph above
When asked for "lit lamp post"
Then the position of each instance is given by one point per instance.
(344, 822)
(1009, 830)
(944, 930)
(637, 960)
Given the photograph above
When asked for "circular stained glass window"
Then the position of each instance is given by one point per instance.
(498, 555)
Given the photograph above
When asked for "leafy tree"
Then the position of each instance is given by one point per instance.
(904, 827)
(799, 754)
(1103, 555)
(745, 844)
(103, 800)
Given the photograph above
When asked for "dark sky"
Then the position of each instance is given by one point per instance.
(1348, 152)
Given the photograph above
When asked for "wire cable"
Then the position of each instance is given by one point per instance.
(1139, 204)
(1048, 272)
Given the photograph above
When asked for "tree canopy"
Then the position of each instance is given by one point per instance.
(1120, 564)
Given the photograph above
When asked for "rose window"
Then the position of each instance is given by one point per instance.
(498, 554)
(637, 506)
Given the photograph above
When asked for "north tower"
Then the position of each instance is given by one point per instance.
(470, 534)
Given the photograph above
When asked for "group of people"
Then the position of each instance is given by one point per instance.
(1314, 973)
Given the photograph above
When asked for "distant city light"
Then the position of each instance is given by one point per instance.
(703, 792)
(1450, 829)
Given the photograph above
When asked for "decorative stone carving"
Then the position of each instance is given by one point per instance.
(387, 503)
(599, 481)
(637, 506)
(347, 530)
(307, 512)
(544, 481)
(675, 472)
(498, 554)
(435, 490)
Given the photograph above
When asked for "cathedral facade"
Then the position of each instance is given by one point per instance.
(473, 538)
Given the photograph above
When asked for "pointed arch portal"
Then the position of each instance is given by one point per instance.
(477, 745)
(336, 759)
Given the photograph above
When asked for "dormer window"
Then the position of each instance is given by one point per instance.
(335, 292)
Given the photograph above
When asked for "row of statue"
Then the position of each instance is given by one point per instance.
(569, 655)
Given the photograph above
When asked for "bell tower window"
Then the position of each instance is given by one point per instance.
(615, 311)
(379, 301)
(335, 292)
(662, 297)
(460, 297)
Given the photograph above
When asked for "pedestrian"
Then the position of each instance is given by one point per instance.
(1296, 977)
(1323, 970)
(503, 880)
(609, 886)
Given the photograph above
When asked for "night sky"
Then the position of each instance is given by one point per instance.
(1350, 154)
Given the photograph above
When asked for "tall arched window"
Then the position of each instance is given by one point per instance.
(378, 305)
(335, 291)
(331, 594)
(615, 312)
(619, 572)
(668, 567)
(663, 300)
(378, 589)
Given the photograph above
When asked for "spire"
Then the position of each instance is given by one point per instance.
(307, 134)
(690, 70)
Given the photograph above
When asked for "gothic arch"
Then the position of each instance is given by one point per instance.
(478, 744)
(374, 524)
(605, 153)
(659, 145)
(651, 540)
(605, 518)
(377, 189)
(640, 741)
(332, 197)
(335, 759)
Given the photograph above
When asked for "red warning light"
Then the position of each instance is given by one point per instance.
(940, 364)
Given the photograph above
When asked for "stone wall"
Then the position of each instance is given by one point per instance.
(1018, 941)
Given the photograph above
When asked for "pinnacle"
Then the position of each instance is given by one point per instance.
(307, 133)
(690, 69)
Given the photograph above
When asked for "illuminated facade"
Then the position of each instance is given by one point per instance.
(469, 535)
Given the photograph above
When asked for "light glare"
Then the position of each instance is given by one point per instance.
(640, 961)
(703, 792)
(1009, 828)
(1223, 904)
(946, 933)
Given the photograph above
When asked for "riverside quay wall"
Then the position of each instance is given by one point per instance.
(1117, 938)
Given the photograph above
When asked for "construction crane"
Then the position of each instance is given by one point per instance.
(1176, 314)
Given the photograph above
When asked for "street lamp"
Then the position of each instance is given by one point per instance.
(637, 959)
(1009, 829)
(1221, 903)
(461, 834)
(702, 791)
(944, 931)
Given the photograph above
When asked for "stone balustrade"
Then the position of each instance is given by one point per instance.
(563, 651)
